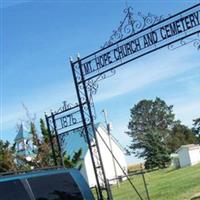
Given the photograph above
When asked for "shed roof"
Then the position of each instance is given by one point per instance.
(189, 147)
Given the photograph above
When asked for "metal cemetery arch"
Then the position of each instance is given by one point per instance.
(137, 36)
(153, 34)
(144, 37)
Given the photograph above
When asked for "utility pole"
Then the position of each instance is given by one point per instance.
(108, 127)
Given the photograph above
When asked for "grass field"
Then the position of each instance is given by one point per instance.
(168, 184)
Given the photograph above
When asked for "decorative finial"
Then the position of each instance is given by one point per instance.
(71, 59)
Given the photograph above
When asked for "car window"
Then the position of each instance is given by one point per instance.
(13, 190)
(55, 187)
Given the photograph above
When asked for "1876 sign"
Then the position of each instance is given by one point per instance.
(67, 119)
(158, 35)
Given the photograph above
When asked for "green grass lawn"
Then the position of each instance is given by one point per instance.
(168, 184)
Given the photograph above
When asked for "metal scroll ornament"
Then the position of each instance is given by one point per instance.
(132, 24)
(65, 107)
(195, 40)
(92, 84)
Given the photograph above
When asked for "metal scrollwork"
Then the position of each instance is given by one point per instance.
(65, 107)
(91, 133)
(51, 126)
(92, 84)
(197, 44)
(77, 70)
(93, 108)
(129, 27)
(195, 40)
(131, 24)
(149, 20)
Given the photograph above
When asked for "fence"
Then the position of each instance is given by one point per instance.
(122, 190)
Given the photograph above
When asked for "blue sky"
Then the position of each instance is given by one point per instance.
(38, 37)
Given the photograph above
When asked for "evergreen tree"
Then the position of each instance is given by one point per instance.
(34, 134)
(73, 161)
(44, 130)
(155, 151)
(7, 158)
(196, 127)
(149, 127)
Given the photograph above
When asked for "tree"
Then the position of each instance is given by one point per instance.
(44, 131)
(196, 127)
(42, 156)
(7, 162)
(73, 161)
(42, 151)
(155, 151)
(180, 135)
(149, 127)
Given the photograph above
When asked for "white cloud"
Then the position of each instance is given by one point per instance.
(186, 111)
(143, 72)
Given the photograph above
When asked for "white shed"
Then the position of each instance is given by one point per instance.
(189, 155)
(76, 140)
